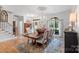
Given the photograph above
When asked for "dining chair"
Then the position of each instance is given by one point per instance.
(43, 40)
(50, 34)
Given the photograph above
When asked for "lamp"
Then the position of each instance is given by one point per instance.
(72, 20)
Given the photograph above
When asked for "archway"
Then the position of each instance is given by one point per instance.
(3, 16)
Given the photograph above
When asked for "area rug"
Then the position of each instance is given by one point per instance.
(55, 46)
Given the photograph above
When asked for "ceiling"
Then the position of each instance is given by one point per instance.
(36, 9)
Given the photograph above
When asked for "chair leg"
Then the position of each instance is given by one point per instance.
(34, 41)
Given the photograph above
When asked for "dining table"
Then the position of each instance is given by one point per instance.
(33, 37)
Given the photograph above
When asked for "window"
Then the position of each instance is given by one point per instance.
(54, 25)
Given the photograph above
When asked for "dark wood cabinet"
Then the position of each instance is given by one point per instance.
(71, 42)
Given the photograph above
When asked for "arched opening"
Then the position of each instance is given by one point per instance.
(3, 16)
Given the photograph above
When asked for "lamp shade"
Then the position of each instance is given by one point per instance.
(73, 17)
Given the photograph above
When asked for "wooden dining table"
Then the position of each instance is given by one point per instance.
(33, 37)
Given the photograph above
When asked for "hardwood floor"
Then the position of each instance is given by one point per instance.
(11, 46)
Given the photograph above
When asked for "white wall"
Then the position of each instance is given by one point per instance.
(10, 18)
(63, 16)
(19, 20)
(77, 29)
(10, 15)
(43, 19)
(20, 25)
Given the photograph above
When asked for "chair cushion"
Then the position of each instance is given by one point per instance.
(40, 41)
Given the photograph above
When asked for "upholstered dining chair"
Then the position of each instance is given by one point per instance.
(50, 34)
(44, 39)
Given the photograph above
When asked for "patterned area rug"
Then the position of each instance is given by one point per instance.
(29, 48)
(55, 46)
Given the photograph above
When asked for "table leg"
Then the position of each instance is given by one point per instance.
(33, 41)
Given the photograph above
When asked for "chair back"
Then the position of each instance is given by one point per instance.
(45, 37)
(50, 34)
